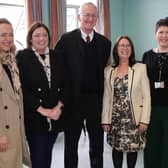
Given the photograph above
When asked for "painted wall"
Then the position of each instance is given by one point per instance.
(137, 18)
(117, 19)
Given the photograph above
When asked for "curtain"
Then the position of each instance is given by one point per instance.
(104, 25)
(34, 11)
(50, 12)
(58, 14)
(104, 18)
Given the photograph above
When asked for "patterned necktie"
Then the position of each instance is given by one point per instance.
(87, 39)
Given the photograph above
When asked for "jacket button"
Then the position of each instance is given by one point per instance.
(0, 89)
(58, 89)
(7, 126)
(39, 89)
(5, 107)
(41, 100)
(19, 116)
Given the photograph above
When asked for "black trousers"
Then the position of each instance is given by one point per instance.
(156, 151)
(89, 112)
(41, 149)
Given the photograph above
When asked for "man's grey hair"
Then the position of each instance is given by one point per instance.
(87, 4)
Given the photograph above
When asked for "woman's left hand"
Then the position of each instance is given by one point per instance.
(143, 127)
(56, 111)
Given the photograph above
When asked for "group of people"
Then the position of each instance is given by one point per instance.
(44, 91)
(135, 102)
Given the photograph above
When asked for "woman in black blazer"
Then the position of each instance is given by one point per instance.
(42, 82)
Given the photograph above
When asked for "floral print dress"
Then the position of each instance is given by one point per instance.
(124, 134)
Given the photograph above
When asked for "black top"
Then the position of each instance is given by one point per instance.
(90, 72)
(36, 90)
(5, 66)
(157, 69)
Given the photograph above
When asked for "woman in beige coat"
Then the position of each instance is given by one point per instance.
(13, 147)
(126, 103)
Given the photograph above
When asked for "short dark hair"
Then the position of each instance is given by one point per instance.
(161, 22)
(32, 28)
(132, 60)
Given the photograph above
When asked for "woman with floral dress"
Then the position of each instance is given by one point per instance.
(126, 103)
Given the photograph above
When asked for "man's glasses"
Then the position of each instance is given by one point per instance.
(124, 45)
(88, 15)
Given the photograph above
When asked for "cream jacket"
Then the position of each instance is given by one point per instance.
(138, 90)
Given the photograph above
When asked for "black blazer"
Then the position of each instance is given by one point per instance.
(70, 45)
(36, 90)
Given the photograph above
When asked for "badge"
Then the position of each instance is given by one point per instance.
(159, 85)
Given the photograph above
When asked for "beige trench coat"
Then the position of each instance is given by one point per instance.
(12, 125)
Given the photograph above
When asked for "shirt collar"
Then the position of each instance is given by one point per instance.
(84, 35)
(46, 52)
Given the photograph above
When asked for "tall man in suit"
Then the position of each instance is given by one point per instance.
(85, 61)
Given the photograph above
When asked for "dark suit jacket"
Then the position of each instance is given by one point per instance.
(36, 90)
(70, 45)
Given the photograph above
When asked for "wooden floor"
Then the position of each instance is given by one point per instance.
(58, 156)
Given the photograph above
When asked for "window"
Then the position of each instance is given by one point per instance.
(72, 12)
(72, 21)
(14, 11)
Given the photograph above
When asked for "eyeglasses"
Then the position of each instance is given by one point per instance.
(88, 15)
(124, 45)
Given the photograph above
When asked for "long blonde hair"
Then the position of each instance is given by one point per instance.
(10, 60)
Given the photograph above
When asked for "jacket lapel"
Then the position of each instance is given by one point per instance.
(7, 86)
(130, 79)
(98, 51)
(114, 74)
(38, 68)
(79, 56)
(54, 63)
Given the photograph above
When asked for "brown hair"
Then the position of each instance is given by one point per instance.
(32, 28)
(132, 60)
(4, 20)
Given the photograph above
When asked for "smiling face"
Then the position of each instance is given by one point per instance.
(6, 37)
(40, 40)
(162, 37)
(88, 17)
(124, 49)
